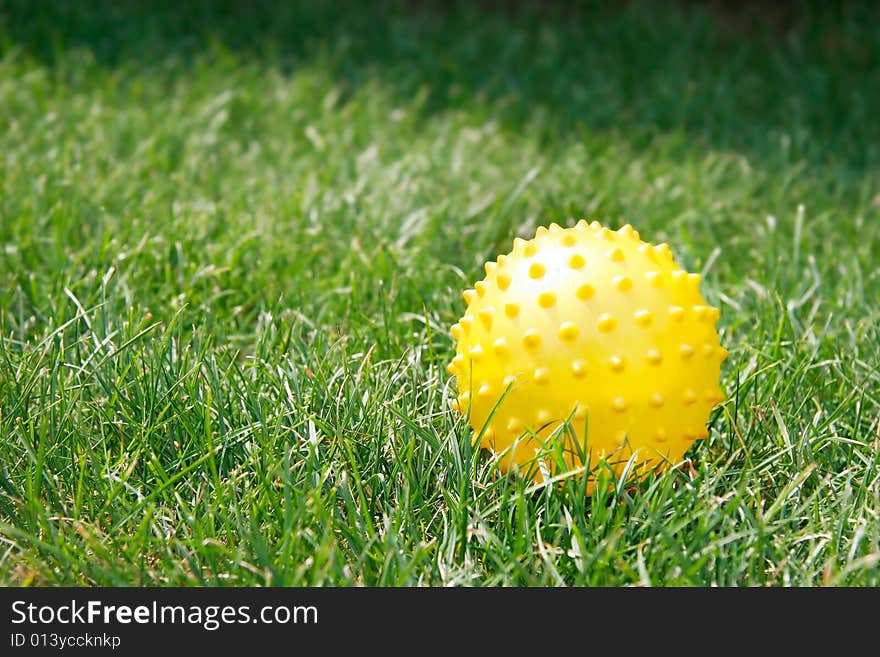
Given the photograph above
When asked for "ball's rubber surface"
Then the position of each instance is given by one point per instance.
(592, 326)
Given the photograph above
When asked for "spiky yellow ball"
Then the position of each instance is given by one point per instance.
(587, 342)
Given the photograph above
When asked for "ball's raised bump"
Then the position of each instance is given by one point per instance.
(576, 261)
(481, 287)
(619, 404)
(676, 313)
(686, 351)
(542, 416)
(486, 315)
(466, 322)
(616, 363)
(490, 267)
(568, 331)
(476, 352)
(518, 244)
(607, 323)
(546, 299)
(511, 309)
(569, 240)
(657, 400)
(605, 233)
(623, 283)
(459, 362)
(714, 314)
(581, 411)
(663, 251)
(689, 397)
(644, 318)
(678, 276)
(514, 425)
(532, 339)
(541, 231)
(654, 278)
(654, 357)
(452, 369)
(661, 435)
(469, 296)
(537, 270)
(615, 254)
(501, 348)
(646, 251)
(555, 228)
(503, 279)
(579, 368)
(585, 292)
(508, 380)
(530, 249)
(457, 331)
(541, 375)
(485, 391)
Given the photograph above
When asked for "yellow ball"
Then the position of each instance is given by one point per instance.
(587, 342)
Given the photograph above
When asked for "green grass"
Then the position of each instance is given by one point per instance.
(232, 242)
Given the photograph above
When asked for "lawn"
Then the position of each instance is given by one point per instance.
(233, 238)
